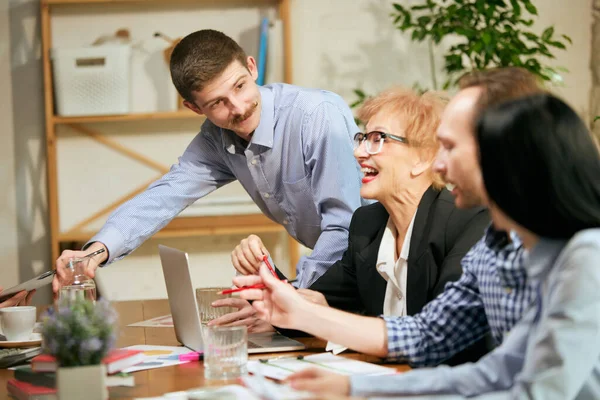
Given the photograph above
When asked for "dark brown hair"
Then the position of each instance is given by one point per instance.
(501, 84)
(200, 57)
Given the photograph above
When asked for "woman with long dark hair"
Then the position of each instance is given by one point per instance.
(541, 170)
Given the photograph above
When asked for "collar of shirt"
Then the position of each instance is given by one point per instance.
(509, 262)
(386, 257)
(263, 135)
(542, 256)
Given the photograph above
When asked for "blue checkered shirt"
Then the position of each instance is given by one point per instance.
(492, 294)
(299, 169)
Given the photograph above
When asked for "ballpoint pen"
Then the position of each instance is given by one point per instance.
(95, 253)
(266, 261)
(256, 286)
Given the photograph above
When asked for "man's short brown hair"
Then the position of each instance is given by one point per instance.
(200, 57)
(501, 84)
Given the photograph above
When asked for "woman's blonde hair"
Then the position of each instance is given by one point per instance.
(421, 115)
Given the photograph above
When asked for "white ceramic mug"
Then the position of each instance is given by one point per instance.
(17, 322)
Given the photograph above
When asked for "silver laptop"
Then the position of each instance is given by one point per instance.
(186, 318)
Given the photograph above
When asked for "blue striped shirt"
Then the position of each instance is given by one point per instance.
(491, 295)
(298, 168)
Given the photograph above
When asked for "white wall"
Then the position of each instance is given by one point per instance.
(23, 171)
(8, 210)
(337, 45)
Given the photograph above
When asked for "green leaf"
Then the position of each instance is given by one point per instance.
(557, 44)
(516, 7)
(424, 20)
(399, 7)
(486, 38)
(567, 38)
(596, 118)
(530, 7)
(359, 93)
(420, 7)
(547, 34)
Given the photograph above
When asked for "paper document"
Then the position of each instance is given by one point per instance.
(281, 368)
(229, 392)
(335, 348)
(157, 356)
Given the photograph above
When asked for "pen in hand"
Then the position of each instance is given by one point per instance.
(95, 253)
(257, 286)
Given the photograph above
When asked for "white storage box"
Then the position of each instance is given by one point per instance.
(92, 80)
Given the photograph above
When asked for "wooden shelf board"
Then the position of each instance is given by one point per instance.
(165, 115)
(199, 226)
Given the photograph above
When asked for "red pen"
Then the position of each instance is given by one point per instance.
(256, 286)
(266, 261)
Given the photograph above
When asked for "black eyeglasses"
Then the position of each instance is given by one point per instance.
(374, 140)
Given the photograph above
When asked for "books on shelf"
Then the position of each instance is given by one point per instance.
(116, 360)
(262, 51)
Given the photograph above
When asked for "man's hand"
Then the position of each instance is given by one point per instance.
(248, 255)
(246, 315)
(278, 304)
(313, 296)
(63, 275)
(319, 381)
(22, 298)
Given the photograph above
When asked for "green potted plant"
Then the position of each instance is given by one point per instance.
(484, 33)
(78, 334)
(488, 33)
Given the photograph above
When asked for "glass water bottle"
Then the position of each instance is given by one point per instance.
(78, 285)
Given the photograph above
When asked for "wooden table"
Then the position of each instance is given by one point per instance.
(155, 382)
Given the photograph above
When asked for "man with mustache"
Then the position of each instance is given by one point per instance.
(291, 149)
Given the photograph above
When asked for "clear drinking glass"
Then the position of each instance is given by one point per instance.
(205, 297)
(78, 285)
(225, 352)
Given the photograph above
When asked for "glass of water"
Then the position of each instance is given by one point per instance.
(205, 298)
(225, 352)
(78, 285)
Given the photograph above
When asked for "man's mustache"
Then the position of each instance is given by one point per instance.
(237, 119)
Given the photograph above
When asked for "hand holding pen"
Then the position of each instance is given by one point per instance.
(275, 301)
(266, 260)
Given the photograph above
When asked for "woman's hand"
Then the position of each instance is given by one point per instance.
(278, 304)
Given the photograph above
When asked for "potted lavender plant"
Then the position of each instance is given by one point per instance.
(79, 333)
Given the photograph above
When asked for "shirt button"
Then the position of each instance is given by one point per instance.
(266, 195)
(508, 290)
(253, 162)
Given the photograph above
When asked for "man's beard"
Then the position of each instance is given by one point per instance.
(239, 118)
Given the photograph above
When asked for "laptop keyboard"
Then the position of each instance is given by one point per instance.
(252, 345)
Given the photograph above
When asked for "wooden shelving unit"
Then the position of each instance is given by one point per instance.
(181, 226)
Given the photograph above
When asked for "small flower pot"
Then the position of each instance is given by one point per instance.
(87, 382)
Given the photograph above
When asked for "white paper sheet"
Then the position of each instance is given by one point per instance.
(281, 368)
(158, 356)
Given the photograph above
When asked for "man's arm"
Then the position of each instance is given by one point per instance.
(199, 171)
(446, 325)
(494, 372)
(335, 184)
